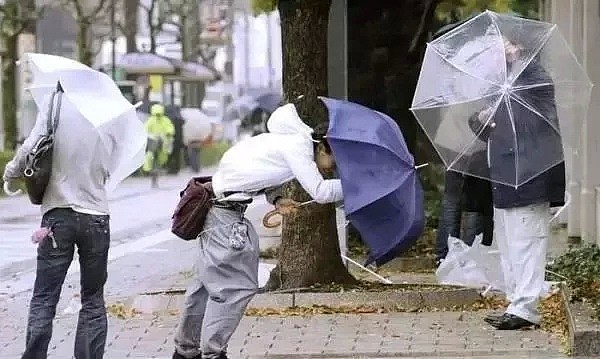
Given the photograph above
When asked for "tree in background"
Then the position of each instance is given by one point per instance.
(16, 18)
(309, 251)
(129, 27)
(155, 20)
(451, 11)
(91, 20)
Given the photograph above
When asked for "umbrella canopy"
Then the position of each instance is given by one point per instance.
(97, 112)
(191, 71)
(383, 197)
(43, 68)
(145, 63)
(197, 126)
(269, 101)
(501, 98)
(240, 108)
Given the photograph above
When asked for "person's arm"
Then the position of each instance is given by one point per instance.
(14, 168)
(301, 162)
(478, 126)
(169, 127)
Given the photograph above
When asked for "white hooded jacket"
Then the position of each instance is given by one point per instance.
(274, 158)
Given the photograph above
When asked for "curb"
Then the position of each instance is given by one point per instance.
(446, 297)
(584, 334)
(410, 264)
(410, 354)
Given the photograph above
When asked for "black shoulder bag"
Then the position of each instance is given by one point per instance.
(38, 164)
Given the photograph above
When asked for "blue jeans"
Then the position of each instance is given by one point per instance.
(194, 158)
(91, 235)
(452, 219)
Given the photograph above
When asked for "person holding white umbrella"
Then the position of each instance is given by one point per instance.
(97, 142)
(198, 129)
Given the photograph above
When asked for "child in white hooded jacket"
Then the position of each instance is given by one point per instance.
(227, 269)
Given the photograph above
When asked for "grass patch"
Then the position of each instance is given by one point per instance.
(580, 268)
(211, 155)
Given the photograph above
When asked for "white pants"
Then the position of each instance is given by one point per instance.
(522, 237)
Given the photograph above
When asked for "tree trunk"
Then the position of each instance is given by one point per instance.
(309, 251)
(84, 50)
(131, 22)
(153, 34)
(386, 43)
(9, 91)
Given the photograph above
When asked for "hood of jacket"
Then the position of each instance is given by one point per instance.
(157, 110)
(285, 121)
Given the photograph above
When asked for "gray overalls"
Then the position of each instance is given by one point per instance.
(226, 279)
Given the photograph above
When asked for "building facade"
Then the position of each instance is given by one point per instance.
(579, 22)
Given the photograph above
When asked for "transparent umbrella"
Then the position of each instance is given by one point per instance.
(501, 98)
(95, 111)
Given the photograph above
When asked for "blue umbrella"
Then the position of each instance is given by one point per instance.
(383, 197)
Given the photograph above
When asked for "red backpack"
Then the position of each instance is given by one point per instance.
(190, 213)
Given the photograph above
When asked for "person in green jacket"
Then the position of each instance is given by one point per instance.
(161, 132)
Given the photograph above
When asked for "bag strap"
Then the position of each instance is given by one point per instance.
(52, 121)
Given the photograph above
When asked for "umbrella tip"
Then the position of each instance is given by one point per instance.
(421, 166)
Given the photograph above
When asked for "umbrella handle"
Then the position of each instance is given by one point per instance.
(9, 192)
(266, 223)
(267, 217)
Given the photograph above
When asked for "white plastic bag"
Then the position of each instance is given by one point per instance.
(475, 266)
(264, 272)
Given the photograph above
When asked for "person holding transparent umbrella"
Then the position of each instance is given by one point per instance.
(510, 88)
(522, 214)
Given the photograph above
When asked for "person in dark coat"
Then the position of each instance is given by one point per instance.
(525, 163)
(467, 211)
(174, 162)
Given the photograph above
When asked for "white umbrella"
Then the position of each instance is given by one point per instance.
(145, 63)
(197, 126)
(190, 71)
(105, 114)
(43, 67)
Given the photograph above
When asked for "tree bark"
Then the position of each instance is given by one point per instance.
(9, 91)
(309, 251)
(131, 22)
(84, 50)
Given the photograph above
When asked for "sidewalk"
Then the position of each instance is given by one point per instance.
(442, 334)
(438, 334)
